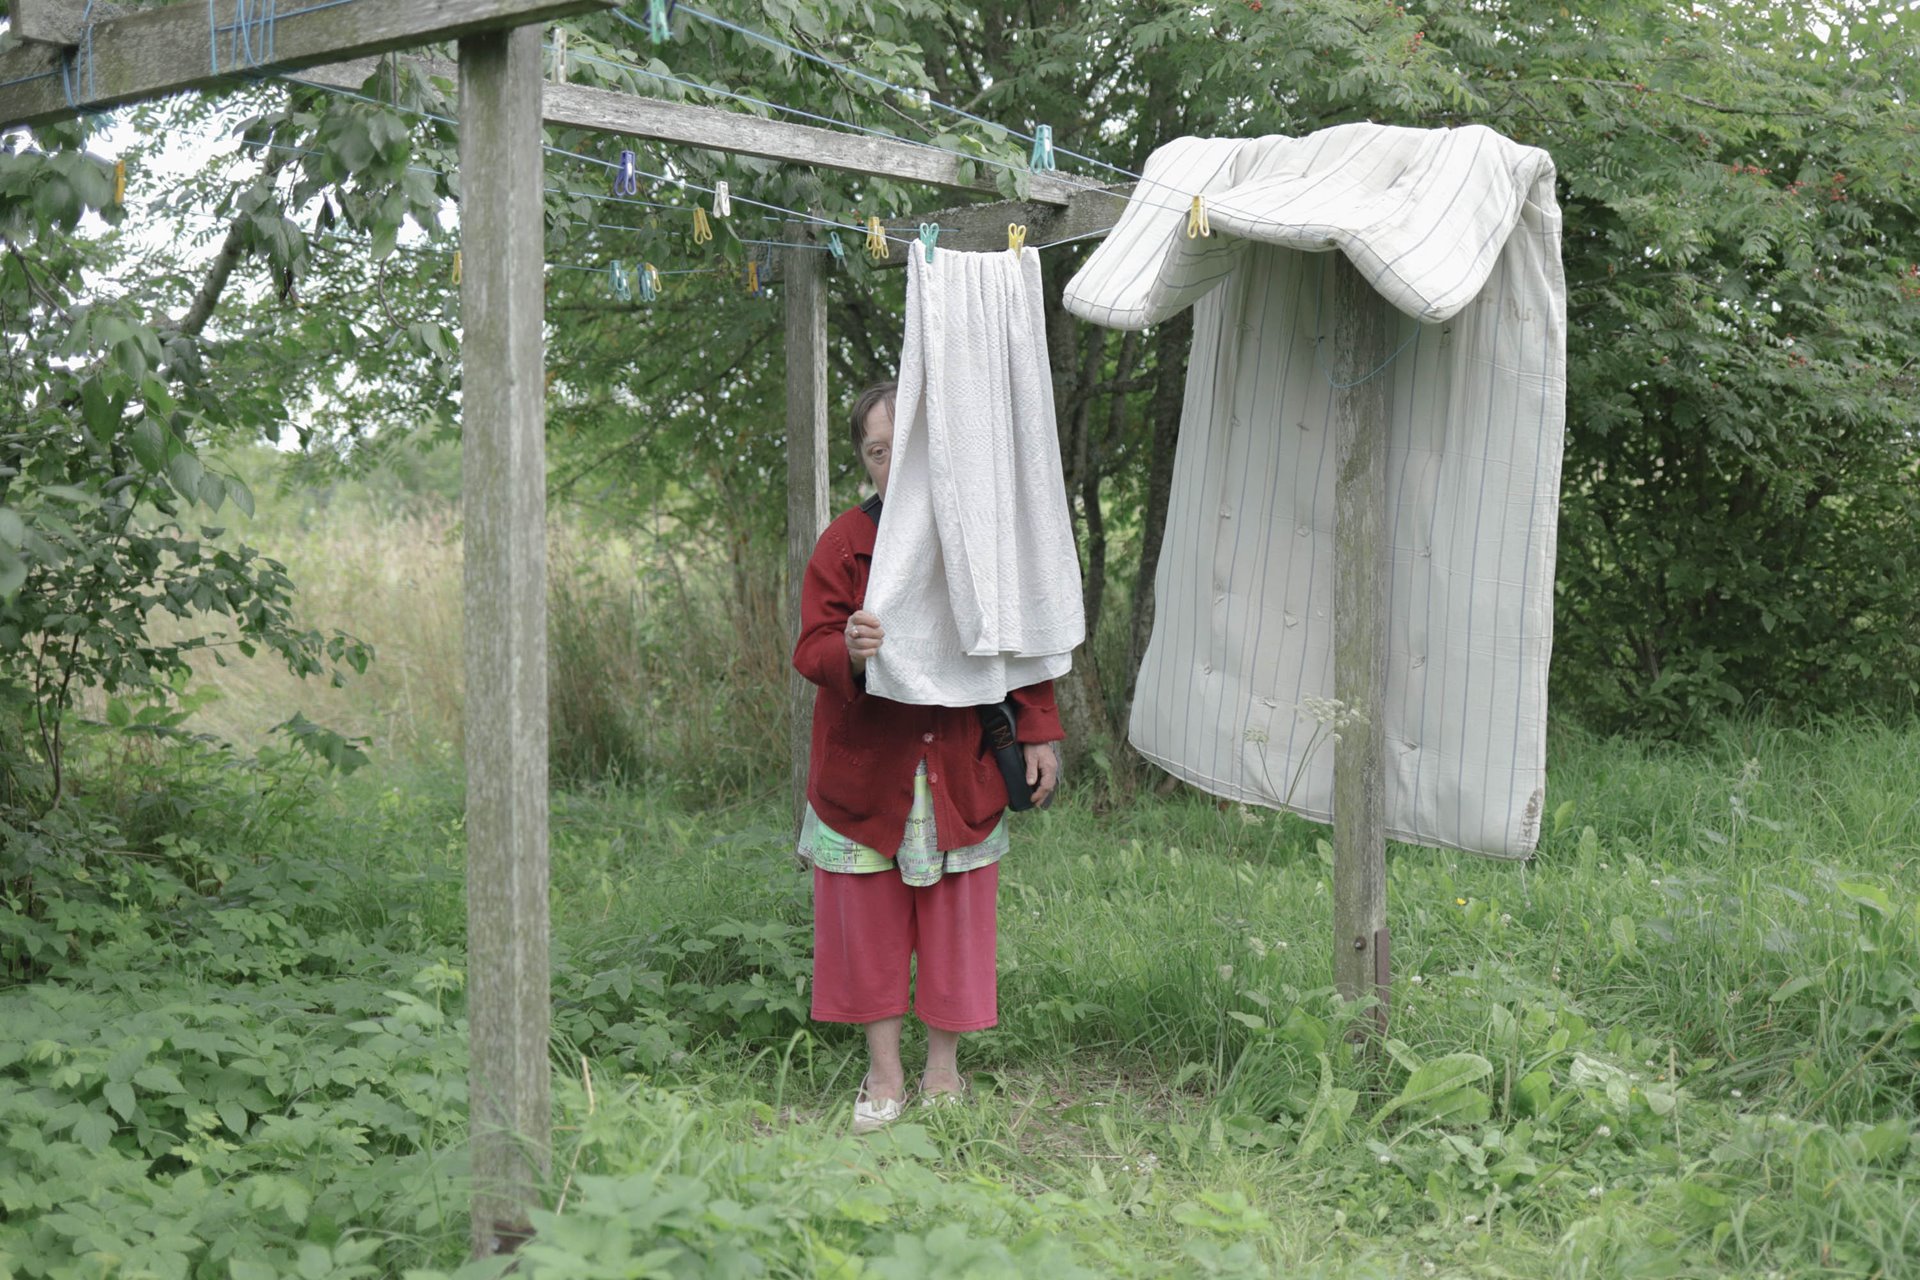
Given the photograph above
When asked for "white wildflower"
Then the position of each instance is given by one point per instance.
(1603, 1132)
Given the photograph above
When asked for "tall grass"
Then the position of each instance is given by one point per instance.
(1696, 1007)
(661, 645)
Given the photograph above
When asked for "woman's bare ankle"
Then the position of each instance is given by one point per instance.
(885, 1085)
(941, 1079)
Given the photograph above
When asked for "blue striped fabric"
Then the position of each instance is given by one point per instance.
(1459, 230)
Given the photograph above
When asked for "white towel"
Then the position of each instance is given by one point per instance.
(975, 575)
(1459, 230)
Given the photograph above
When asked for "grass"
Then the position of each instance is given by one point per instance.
(1711, 967)
(1682, 1042)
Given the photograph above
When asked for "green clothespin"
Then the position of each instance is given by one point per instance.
(1042, 148)
(929, 236)
(618, 275)
(657, 21)
(838, 250)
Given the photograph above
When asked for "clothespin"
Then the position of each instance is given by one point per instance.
(834, 247)
(1016, 238)
(119, 181)
(929, 236)
(753, 278)
(649, 282)
(702, 229)
(722, 200)
(626, 178)
(1197, 224)
(877, 240)
(559, 55)
(456, 266)
(657, 21)
(1042, 148)
(618, 275)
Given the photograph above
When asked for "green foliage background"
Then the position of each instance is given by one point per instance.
(231, 1004)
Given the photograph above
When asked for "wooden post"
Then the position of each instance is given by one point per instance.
(503, 410)
(1362, 409)
(804, 279)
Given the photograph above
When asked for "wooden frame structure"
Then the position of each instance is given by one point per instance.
(63, 66)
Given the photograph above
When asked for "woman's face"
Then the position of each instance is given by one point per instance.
(876, 445)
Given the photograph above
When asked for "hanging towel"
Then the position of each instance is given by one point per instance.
(1459, 230)
(975, 574)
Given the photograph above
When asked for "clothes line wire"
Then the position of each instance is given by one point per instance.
(774, 42)
(682, 183)
(995, 161)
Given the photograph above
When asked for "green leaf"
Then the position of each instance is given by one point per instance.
(186, 473)
(233, 1115)
(1438, 1080)
(120, 1097)
(1791, 987)
(149, 444)
(95, 1130)
(158, 1079)
(1532, 1092)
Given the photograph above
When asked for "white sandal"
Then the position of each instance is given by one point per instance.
(869, 1116)
(943, 1097)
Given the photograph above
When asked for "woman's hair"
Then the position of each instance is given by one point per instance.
(877, 394)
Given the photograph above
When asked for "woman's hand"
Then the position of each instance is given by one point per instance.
(864, 635)
(1043, 770)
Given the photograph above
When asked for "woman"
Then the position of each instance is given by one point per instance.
(905, 820)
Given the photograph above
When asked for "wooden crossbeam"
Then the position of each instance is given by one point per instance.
(157, 51)
(981, 228)
(56, 21)
(715, 129)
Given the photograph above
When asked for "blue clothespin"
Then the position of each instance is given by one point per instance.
(838, 250)
(618, 275)
(929, 236)
(649, 282)
(626, 178)
(1042, 147)
(657, 12)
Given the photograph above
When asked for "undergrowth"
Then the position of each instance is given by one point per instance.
(1681, 1043)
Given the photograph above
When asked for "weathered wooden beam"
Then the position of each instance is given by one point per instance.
(156, 51)
(716, 129)
(56, 21)
(1362, 410)
(504, 498)
(805, 274)
(983, 227)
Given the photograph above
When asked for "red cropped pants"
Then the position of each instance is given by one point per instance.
(868, 928)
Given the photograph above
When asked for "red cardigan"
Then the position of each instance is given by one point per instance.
(867, 749)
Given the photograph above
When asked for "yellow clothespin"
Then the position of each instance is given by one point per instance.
(702, 230)
(119, 181)
(877, 241)
(1016, 238)
(753, 279)
(722, 200)
(1197, 224)
(456, 266)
